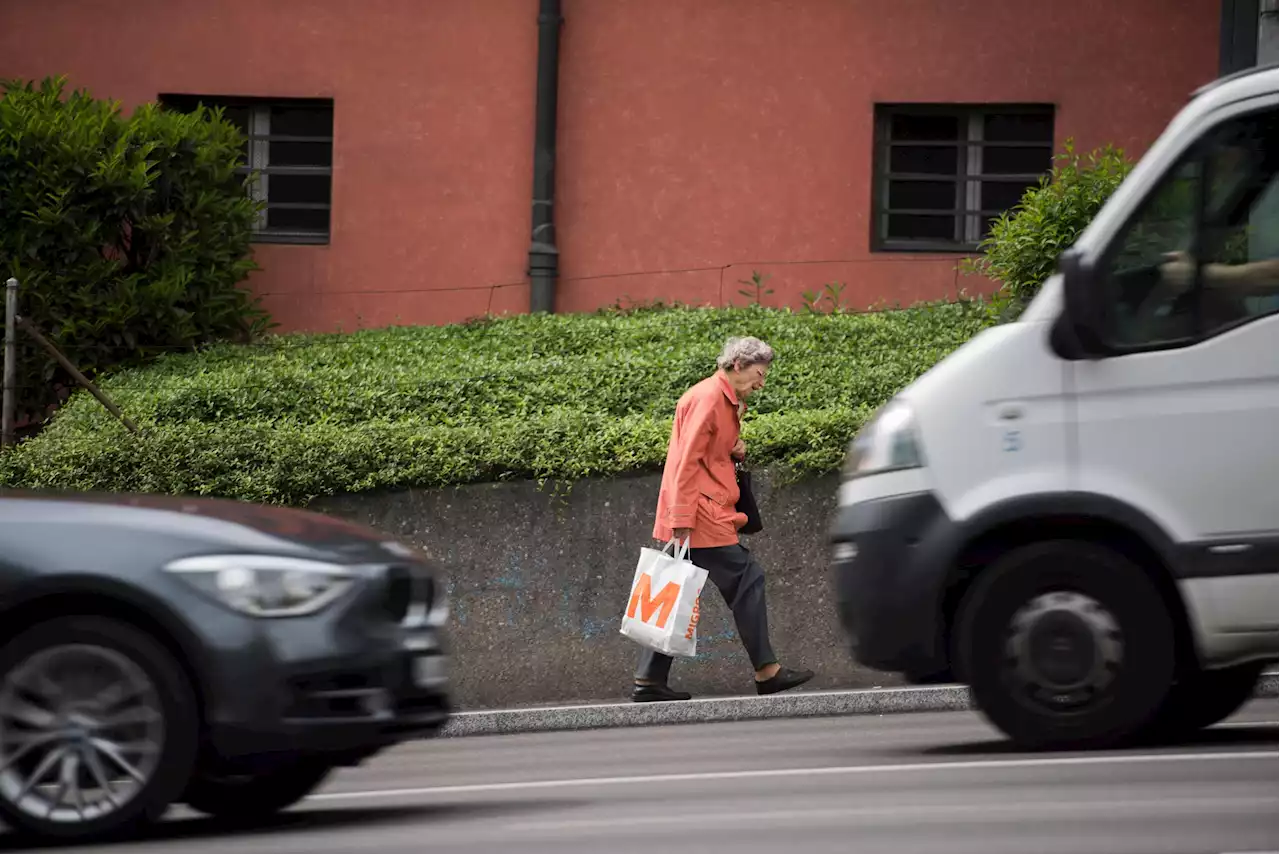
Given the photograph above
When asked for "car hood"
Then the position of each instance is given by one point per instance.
(233, 524)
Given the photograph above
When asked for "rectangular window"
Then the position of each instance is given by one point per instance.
(944, 173)
(289, 144)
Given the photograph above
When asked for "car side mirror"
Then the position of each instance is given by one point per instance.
(1083, 316)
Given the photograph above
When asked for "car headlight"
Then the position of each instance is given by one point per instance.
(266, 586)
(887, 443)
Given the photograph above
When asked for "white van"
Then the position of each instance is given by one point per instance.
(1076, 514)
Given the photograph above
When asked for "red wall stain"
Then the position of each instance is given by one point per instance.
(699, 139)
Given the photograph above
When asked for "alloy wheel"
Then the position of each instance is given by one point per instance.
(81, 733)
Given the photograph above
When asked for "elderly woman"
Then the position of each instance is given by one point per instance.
(697, 503)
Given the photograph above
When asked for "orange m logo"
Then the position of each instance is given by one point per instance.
(642, 598)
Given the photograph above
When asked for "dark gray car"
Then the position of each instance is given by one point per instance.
(224, 655)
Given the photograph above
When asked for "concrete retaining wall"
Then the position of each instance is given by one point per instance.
(539, 578)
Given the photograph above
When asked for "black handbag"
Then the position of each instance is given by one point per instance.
(747, 503)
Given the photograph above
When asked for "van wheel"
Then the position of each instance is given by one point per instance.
(253, 798)
(98, 729)
(1204, 698)
(1066, 644)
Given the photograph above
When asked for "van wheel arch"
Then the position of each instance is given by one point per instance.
(985, 548)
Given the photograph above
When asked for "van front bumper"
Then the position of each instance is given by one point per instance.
(889, 559)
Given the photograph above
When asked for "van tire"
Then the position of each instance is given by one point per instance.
(1038, 600)
(1204, 698)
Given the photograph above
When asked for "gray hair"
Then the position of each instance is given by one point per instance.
(743, 353)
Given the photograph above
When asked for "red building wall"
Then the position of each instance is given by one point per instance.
(699, 139)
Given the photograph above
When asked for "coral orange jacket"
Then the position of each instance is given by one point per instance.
(699, 485)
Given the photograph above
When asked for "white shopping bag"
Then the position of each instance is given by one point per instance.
(662, 611)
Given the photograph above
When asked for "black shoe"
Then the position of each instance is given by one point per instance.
(784, 680)
(657, 694)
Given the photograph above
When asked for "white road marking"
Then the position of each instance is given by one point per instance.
(767, 773)
(950, 813)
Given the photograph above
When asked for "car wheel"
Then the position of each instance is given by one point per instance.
(254, 797)
(1204, 698)
(98, 729)
(1066, 644)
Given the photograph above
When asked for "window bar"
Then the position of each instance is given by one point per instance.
(973, 183)
(976, 143)
(962, 184)
(279, 137)
(260, 127)
(881, 179)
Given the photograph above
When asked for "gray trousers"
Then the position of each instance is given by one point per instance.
(740, 580)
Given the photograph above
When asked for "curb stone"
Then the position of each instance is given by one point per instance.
(803, 704)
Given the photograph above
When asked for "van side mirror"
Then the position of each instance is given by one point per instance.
(1083, 316)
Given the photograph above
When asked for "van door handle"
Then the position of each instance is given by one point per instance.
(1011, 412)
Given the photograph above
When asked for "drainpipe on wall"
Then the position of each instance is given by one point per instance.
(1267, 34)
(544, 257)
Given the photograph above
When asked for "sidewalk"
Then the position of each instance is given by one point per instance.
(801, 704)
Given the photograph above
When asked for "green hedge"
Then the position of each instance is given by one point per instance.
(130, 234)
(560, 396)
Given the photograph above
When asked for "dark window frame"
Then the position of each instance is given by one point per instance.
(258, 150)
(969, 115)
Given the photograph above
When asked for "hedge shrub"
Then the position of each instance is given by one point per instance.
(129, 235)
(559, 396)
(1022, 249)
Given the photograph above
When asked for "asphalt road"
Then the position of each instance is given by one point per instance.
(899, 783)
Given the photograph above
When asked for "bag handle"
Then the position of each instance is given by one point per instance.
(682, 549)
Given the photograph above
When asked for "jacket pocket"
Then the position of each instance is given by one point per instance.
(722, 512)
(716, 496)
(722, 516)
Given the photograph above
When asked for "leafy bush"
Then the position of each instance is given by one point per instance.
(1025, 242)
(129, 235)
(559, 396)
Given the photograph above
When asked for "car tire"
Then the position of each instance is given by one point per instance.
(255, 797)
(1204, 698)
(1066, 645)
(109, 719)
